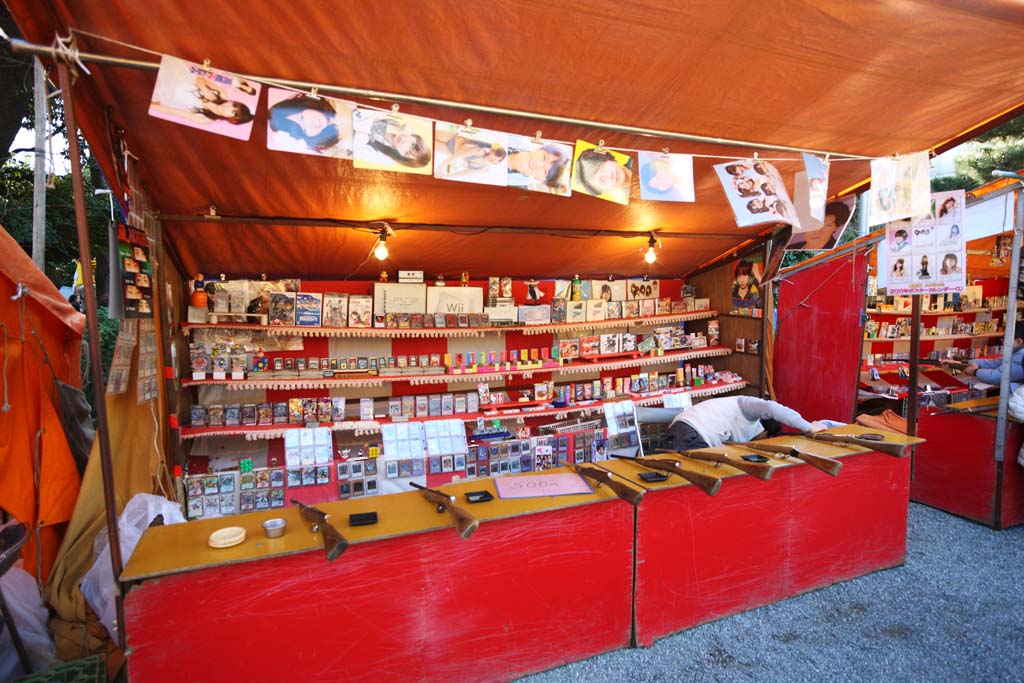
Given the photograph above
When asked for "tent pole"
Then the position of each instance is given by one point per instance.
(39, 177)
(1009, 325)
(95, 366)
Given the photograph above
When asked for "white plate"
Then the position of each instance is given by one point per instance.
(227, 537)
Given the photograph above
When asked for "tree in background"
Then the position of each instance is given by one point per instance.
(1000, 148)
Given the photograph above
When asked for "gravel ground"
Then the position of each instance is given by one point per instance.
(953, 612)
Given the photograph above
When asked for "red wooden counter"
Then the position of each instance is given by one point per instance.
(700, 558)
(542, 582)
(956, 469)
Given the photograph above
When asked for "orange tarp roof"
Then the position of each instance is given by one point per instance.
(861, 78)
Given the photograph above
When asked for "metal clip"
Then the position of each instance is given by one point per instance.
(600, 145)
(206, 63)
(313, 92)
(536, 138)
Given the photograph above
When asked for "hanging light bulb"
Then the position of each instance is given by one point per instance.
(650, 256)
(381, 252)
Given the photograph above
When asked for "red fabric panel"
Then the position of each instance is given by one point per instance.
(953, 471)
(1012, 498)
(818, 338)
(522, 595)
(701, 558)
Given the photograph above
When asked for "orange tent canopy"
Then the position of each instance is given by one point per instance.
(31, 435)
(870, 79)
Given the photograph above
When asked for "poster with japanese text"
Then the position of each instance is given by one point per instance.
(928, 255)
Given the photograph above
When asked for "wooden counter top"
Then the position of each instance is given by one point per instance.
(183, 547)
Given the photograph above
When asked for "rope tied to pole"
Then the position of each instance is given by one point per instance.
(65, 49)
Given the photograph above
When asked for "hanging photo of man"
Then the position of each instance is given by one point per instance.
(602, 173)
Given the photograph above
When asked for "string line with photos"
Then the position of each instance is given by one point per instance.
(305, 122)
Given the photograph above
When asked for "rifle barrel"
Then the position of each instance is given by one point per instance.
(762, 471)
(888, 447)
(827, 465)
(704, 482)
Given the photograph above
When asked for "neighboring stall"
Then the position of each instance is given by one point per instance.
(291, 367)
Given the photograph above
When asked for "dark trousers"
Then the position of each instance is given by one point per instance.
(682, 437)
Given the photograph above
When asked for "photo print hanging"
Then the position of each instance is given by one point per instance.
(199, 97)
(900, 188)
(756, 193)
(389, 141)
(302, 123)
(838, 213)
(602, 173)
(928, 255)
(666, 177)
(539, 165)
(470, 155)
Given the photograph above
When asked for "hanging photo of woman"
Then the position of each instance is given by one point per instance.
(387, 141)
(602, 173)
(470, 155)
(304, 124)
(197, 97)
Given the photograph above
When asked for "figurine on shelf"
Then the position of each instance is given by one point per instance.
(260, 363)
(383, 276)
(465, 278)
(198, 298)
(439, 281)
(533, 292)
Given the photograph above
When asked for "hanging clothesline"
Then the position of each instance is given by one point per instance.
(307, 86)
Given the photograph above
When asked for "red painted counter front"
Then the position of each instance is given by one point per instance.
(521, 595)
(701, 558)
(956, 469)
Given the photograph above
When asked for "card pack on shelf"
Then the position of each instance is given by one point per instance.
(568, 348)
(338, 408)
(215, 415)
(648, 307)
(422, 405)
(197, 415)
(595, 310)
(472, 402)
(590, 345)
(460, 404)
(360, 310)
(447, 404)
(576, 312)
(408, 406)
(282, 308)
(627, 342)
(249, 414)
(232, 414)
(366, 409)
(613, 310)
(535, 315)
(713, 332)
(610, 343)
(631, 309)
(280, 412)
(558, 310)
(664, 306)
(702, 304)
(395, 407)
(434, 403)
(335, 310)
(308, 307)
(484, 394)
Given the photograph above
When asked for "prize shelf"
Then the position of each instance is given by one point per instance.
(393, 332)
(482, 375)
(505, 411)
(906, 313)
(935, 337)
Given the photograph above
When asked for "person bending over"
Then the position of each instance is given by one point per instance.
(731, 418)
(989, 370)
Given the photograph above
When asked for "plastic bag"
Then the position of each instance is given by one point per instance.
(98, 582)
(29, 614)
(1015, 406)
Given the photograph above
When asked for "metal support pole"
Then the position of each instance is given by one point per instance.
(1009, 322)
(39, 180)
(915, 366)
(102, 431)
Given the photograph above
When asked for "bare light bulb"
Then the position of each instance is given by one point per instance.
(381, 252)
(650, 256)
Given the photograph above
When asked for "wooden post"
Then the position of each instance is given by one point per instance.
(95, 365)
(39, 180)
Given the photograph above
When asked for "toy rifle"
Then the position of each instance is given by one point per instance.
(464, 522)
(704, 482)
(777, 450)
(762, 471)
(599, 476)
(334, 542)
(875, 442)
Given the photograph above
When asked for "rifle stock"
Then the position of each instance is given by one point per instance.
(826, 465)
(334, 542)
(889, 448)
(704, 482)
(760, 470)
(599, 477)
(464, 522)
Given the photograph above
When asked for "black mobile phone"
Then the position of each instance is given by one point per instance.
(362, 518)
(754, 458)
(652, 477)
(479, 496)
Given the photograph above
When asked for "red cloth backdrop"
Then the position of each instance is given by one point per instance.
(818, 338)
